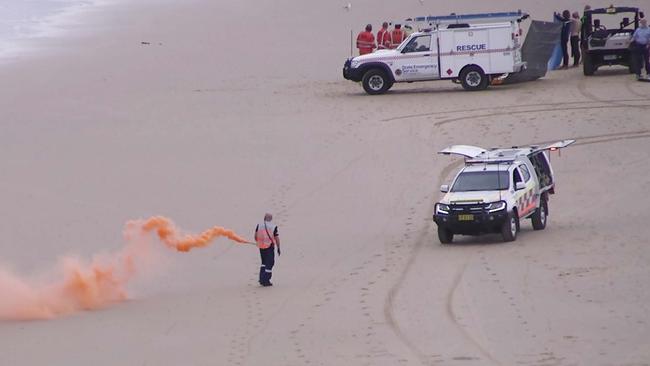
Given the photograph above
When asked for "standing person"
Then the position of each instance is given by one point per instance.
(266, 237)
(585, 28)
(383, 37)
(640, 44)
(575, 38)
(564, 37)
(397, 36)
(366, 41)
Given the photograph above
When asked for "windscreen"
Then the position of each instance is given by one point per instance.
(614, 21)
(481, 181)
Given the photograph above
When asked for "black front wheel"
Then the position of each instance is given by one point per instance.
(445, 235)
(375, 81)
(473, 78)
(510, 227)
(588, 67)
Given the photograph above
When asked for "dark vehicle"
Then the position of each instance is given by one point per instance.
(608, 34)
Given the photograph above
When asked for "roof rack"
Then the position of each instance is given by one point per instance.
(490, 161)
(432, 20)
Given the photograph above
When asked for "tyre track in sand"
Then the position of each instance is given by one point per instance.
(539, 110)
(593, 103)
(582, 89)
(527, 108)
(389, 308)
(389, 302)
(606, 137)
(628, 86)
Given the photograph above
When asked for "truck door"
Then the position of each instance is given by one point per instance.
(540, 159)
(467, 151)
(526, 198)
(419, 59)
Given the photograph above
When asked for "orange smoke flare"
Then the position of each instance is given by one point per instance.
(102, 281)
(171, 236)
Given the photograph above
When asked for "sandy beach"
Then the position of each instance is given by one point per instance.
(213, 113)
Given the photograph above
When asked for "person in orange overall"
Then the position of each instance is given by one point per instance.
(397, 36)
(383, 37)
(366, 41)
(267, 239)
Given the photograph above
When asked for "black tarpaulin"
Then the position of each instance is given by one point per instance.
(536, 51)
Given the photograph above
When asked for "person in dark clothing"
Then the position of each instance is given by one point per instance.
(641, 47)
(565, 18)
(575, 38)
(585, 29)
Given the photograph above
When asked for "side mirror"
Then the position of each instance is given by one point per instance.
(626, 22)
(519, 186)
(444, 188)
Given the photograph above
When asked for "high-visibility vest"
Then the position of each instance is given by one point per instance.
(396, 37)
(383, 39)
(365, 42)
(264, 235)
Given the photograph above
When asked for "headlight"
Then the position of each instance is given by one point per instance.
(442, 209)
(354, 64)
(496, 206)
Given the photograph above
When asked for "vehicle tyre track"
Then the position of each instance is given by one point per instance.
(550, 109)
(496, 114)
(389, 308)
(394, 290)
(452, 315)
(628, 86)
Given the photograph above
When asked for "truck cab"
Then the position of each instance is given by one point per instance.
(451, 48)
(495, 190)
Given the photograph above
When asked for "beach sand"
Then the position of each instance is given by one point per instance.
(232, 109)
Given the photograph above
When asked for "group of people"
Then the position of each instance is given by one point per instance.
(575, 30)
(386, 39)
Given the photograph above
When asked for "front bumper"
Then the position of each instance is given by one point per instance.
(600, 57)
(350, 73)
(480, 222)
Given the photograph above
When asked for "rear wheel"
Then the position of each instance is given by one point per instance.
(376, 82)
(445, 235)
(473, 78)
(510, 227)
(588, 65)
(540, 215)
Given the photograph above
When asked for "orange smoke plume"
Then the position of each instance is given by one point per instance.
(171, 236)
(103, 280)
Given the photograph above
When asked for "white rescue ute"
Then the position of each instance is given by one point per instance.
(495, 190)
(467, 53)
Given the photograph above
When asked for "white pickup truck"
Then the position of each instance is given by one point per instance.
(495, 190)
(455, 48)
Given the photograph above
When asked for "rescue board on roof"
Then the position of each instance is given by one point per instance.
(496, 190)
(467, 49)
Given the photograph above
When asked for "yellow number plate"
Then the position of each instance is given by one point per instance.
(465, 217)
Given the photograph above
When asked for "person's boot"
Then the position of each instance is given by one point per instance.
(261, 278)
